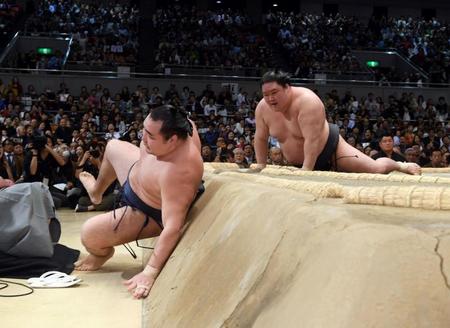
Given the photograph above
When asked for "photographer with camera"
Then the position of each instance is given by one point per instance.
(40, 164)
(64, 178)
(90, 161)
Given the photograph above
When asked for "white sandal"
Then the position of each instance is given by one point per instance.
(54, 279)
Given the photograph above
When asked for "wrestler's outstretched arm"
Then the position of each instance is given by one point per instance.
(311, 120)
(177, 193)
(261, 136)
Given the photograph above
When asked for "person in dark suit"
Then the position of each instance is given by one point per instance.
(386, 144)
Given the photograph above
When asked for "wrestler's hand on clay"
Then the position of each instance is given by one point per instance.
(256, 168)
(139, 286)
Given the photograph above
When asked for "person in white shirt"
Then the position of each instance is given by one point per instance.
(250, 120)
(210, 107)
(112, 133)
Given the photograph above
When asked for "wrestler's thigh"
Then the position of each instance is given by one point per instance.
(104, 230)
(121, 155)
(350, 159)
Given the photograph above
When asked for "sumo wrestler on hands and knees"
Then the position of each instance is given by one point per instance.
(296, 117)
(159, 182)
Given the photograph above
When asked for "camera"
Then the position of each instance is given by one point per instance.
(39, 142)
(74, 157)
(92, 148)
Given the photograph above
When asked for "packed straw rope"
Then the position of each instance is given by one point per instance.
(430, 198)
(280, 171)
(318, 189)
(416, 196)
(435, 169)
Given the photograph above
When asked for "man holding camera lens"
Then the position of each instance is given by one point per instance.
(40, 164)
(40, 161)
(160, 180)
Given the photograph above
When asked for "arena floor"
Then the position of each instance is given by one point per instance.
(99, 301)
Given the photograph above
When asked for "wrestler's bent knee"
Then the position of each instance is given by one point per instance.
(89, 237)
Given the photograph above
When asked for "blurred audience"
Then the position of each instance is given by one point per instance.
(104, 33)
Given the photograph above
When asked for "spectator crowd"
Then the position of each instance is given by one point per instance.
(228, 38)
(103, 33)
(10, 13)
(53, 135)
(106, 34)
(307, 41)
(317, 43)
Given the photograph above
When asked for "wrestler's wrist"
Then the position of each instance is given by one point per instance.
(403, 166)
(151, 271)
(258, 166)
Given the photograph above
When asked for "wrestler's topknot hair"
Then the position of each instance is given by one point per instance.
(280, 77)
(175, 121)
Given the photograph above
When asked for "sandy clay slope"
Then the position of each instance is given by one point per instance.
(279, 250)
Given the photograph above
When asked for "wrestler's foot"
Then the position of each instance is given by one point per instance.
(88, 181)
(411, 168)
(92, 262)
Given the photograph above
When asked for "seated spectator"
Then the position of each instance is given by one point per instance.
(386, 145)
(436, 159)
(373, 153)
(211, 135)
(19, 157)
(411, 155)
(5, 169)
(63, 179)
(367, 150)
(112, 133)
(64, 131)
(207, 154)
(40, 163)
(251, 120)
(446, 160)
(9, 161)
(239, 158)
(249, 154)
(276, 156)
(210, 107)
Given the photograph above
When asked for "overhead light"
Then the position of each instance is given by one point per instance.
(275, 5)
(218, 2)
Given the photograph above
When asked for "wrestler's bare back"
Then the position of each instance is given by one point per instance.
(285, 126)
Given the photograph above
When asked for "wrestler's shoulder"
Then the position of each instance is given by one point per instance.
(302, 89)
(306, 98)
(262, 107)
(181, 175)
(187, 166)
